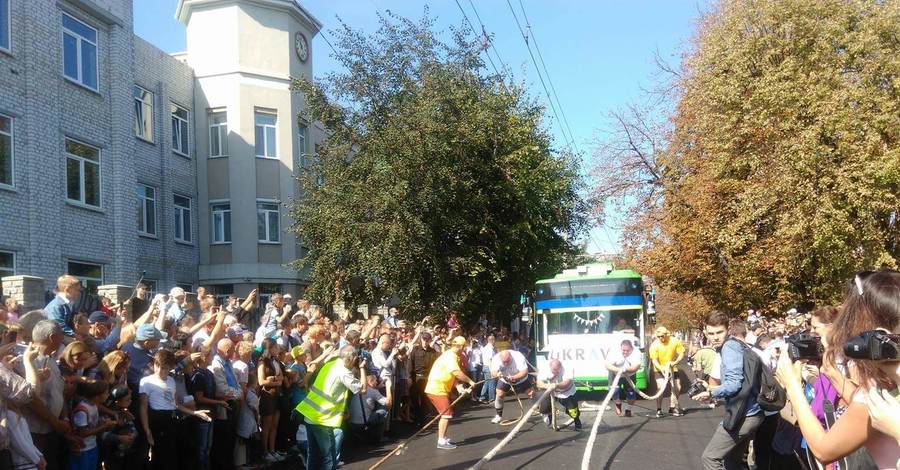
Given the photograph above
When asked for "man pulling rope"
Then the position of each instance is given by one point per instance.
(511, 368)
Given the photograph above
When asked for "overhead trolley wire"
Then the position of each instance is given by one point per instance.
(537, 48)
(541, 77)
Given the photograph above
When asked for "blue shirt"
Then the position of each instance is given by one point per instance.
(732, 353)
(60, 310)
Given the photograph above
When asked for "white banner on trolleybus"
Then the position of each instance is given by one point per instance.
(584, 355)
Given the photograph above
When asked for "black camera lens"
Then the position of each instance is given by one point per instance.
(874, 345)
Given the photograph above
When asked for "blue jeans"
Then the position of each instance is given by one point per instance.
(204, 442)
(338, 443)
(488, 390)
(323, 447)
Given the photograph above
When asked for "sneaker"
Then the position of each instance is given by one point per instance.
(618, 409)
(627, 413)
(546, 418)
(282, 455)
(659, 414)
(676, 412)
(339, 464)
(446, 446)
(496, 419)
(577, 423)
(270, 458)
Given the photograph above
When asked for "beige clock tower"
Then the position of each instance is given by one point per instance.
(250, 143)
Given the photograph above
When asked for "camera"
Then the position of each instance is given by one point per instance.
(873, 345)
(804, 346)
(697, 386)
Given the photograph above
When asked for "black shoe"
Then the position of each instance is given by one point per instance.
(627, 413)
(676, 412)
(659, 414)
(577, 423)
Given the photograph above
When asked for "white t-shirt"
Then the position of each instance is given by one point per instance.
(516, 364)
(86, 416)
(160, 394)
(241, 371)
(547, 377)
(619, 360)
(716, 371)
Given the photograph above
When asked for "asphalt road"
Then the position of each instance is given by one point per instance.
(642, 442)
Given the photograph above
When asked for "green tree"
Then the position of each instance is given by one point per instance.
(437, 183)
(780, 173)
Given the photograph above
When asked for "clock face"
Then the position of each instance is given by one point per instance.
(301, 47)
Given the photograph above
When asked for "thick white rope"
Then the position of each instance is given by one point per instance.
(493, 453)
(586, 459)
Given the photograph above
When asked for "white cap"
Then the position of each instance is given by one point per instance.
(176, 292)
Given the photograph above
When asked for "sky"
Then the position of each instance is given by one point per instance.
(599, 54)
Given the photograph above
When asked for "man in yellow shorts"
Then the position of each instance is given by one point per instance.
(666, 353)
(441, 380)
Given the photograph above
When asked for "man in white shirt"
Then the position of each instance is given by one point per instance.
(368, 413)
(511, 371)
(628, 359)
(488, 390)
(562, 381)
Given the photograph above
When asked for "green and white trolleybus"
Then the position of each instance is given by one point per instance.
(575, 320)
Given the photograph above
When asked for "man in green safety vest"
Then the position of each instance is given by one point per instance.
(323, 407)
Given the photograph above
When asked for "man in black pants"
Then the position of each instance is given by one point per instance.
(563, 385)
(420, 360)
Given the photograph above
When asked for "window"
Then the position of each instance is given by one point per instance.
(151, 288)
(265, 135)
(218, 135)
(4, 25)
(180, 130)
(79, 52)
(146, 210)
(221, 223)
(6, 150)
(183, 219)
(7, 266)
(268, 225)
(301, 139)
(188, 287)
(82, 173)
(90, 275)
(143, 113)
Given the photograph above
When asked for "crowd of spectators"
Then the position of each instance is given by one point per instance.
(161, 383)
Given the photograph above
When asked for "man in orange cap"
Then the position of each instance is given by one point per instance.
(441, 380)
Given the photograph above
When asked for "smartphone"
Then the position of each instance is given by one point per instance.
(20, 349)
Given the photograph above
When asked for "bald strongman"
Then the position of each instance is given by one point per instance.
(562, 381)
(511, 370)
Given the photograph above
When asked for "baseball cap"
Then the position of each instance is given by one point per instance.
(99, 317)
(287, 296)
(458, 341)
(661, 331)
(147, 332)
(176, 292)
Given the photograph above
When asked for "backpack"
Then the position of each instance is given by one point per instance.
(772, 396)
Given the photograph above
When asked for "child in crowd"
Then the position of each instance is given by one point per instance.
(117, 442)
(87, 424)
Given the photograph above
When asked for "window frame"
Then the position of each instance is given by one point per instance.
(12, 151)
(214, 212)
(267, 221)
(8, 47)
(265, 127)
(82, 161)
(179, 213)
(184, 133)
(79, 80)
(85, 279)
(220, 127)
(142, 201)
(143, 104)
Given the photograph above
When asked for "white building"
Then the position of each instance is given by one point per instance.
(117, 158)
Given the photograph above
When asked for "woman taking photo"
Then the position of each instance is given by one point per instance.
(872, 302)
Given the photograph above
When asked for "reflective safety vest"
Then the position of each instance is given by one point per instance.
(320, 408)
